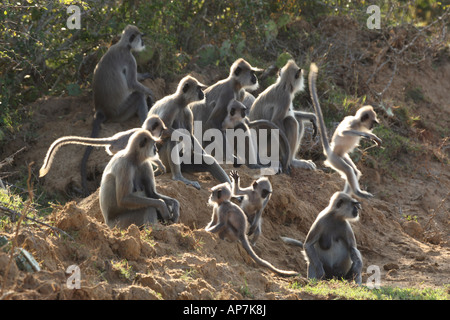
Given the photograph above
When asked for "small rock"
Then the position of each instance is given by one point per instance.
(391, 266)
(414, 229)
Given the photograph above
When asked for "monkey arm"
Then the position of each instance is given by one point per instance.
(366, 135)
(309, 246)
(219, 112)
(135, 85)
(355, 255)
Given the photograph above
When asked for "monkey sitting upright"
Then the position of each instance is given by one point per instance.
(330, 246)
(254, 201)
(345, 139)
(229, 221)
(127, 190)
(118, 94)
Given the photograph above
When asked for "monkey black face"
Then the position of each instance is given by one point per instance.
(254, 79)
(201, 95)
(265, 193)
(356, 208)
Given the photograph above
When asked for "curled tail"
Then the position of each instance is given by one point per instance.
(312, 89)
(264, 263)
(68, 140)
(99, 118)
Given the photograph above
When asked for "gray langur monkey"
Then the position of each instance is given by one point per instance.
(345, 138)
(275, 104)
(213, 112)
(247, 99)
(254, 201)
(175, 112)
(127, 190)
(112, 144)
(229, 221)
(118, 94)
(330, 247)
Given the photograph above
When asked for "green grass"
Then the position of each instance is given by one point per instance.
(344, 290)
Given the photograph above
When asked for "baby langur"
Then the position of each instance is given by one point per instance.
(330, 247)
(345, 139)
(229, 221)
(254, 201)
(127, 190)
(275, 104)
(112, 144)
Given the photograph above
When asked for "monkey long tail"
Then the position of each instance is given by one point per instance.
(264, 263)
(312, 89)
(265, 124)
(99, 118)
(69, 140)
(292, 241)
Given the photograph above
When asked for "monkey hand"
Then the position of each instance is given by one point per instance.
(314, 124)
(234, 175)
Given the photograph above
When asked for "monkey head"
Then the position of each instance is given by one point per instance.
(191, 89)
(263, 187)
(220, 193)
(244, 74)
(367, 116)
(155, 125)
(345, 207)
(132, 37)
(292, 77)
(236, 113)
(142, 145)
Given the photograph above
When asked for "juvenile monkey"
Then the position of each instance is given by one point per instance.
(174, 111)
(330, 247)
(345, 139)
(254, 201)
(275, 104)
(229, 221)
(127, 191)
(118, 94)
(112, 144)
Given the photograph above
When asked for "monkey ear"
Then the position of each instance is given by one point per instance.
(237, 71)
(185, 87)
(339, 203)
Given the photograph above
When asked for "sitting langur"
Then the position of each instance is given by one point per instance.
(254, 201)
(176, 114)
(275, 104)
(345, 139)
(236, 119)
(112, 144)
(229, 221)
(127, 191)
(118, 94)
(330, 246)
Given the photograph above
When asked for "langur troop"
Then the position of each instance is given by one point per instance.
(167, 143)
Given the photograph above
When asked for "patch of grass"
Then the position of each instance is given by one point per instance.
(124, 269)
(337, 289)
(245, 291)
